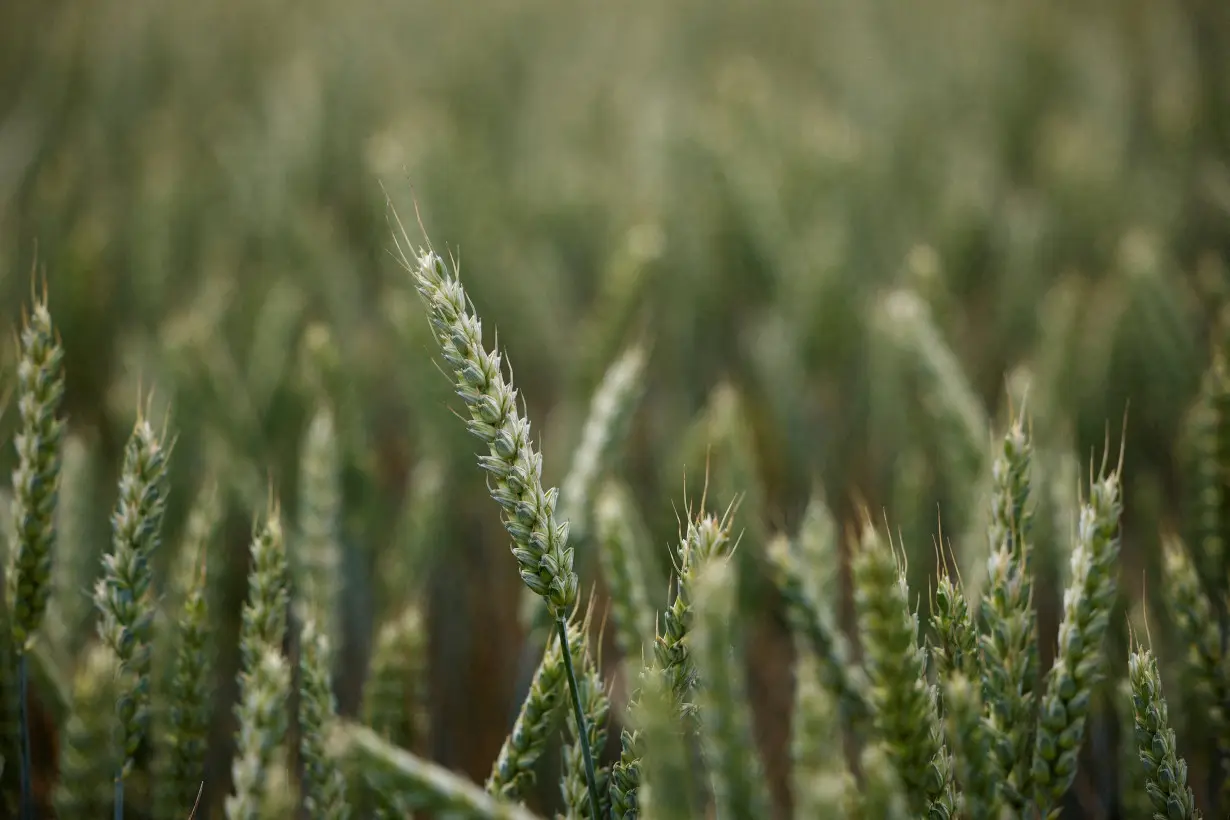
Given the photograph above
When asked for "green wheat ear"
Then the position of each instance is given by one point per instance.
(89, 754)
(622, 544)
(124, 594)
(1008, 643)
(1079, 661)
(881, 795)
(818, 763)
(185, 733)
(319, 552)
(1204, 661)
(264, 677)
(904, 705)
(811, 618)
(265, 686)
(394, 697)
(514, 467)
(513, 771)
(1165, 770)
(36, 480)
(324, 784)
(956, 646)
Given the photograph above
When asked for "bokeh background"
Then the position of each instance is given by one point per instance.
(796, 205)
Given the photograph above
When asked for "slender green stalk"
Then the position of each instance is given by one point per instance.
(70, 606)
(656, 778)
(707, 539)
(574, 785)
(578, 710)
(881, 796)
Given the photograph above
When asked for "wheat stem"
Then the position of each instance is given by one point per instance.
(561, 628)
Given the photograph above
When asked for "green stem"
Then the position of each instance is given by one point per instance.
(119, 795)
(582, 725)
(27, 789)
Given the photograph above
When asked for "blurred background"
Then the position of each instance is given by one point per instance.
(851, 235)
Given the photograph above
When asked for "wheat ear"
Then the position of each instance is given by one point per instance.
(36, 483)
(904, 704)
(264, 677)
(514, 468)
(123, 595)
(1078, 662)
(324, 785)
(1008, 645)
(1165, 770)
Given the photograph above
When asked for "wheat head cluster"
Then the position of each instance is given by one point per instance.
(895, 715)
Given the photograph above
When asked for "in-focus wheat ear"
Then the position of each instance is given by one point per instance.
(1079, 661)
(1008, 642)
(1165, 771)
(514, 467)
(123, 595)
